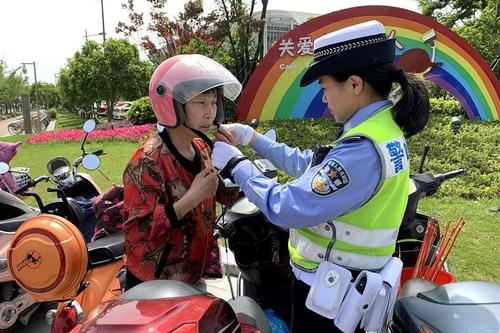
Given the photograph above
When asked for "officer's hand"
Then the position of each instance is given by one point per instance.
(223, 153)
(235, 134)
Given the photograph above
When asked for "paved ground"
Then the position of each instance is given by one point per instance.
(3, 126)
(5, 132)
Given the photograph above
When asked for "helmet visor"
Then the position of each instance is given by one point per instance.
(195, 74)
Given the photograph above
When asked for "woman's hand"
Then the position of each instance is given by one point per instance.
(204, 185)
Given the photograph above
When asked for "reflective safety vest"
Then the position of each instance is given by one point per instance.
(364, 238)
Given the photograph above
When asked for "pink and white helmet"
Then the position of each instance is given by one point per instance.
(182, 77)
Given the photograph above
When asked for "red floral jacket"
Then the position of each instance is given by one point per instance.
(157, 244)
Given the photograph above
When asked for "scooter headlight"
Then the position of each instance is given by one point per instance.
(64, 176)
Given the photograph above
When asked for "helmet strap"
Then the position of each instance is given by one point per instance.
(219, 117)
(180, 114)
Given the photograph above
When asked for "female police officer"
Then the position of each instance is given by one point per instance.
(345, 208)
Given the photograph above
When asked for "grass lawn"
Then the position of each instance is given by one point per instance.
(476, 252)
(68, 120)
(475, 256)
(36, 156)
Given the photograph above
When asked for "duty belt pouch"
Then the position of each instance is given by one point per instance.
(358, 301)
(377, 316)
(328, 289)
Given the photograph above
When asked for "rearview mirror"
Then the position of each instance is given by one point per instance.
(91, 162)
(4, 168)
(89, 126)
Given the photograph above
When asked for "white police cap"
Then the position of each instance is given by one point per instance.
(357, 46)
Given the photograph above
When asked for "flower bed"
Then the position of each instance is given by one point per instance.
(131, 133)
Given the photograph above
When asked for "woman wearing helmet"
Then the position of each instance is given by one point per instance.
(170, 183)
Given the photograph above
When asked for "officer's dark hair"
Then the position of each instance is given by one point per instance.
(411, 112)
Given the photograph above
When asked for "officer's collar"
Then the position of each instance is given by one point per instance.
(365, 113)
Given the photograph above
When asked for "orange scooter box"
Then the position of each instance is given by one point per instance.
(441, 278)
(48, 258)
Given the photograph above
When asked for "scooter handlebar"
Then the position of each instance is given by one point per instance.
(79, 160)
(98, 152)
(32, 183)
(450, 175)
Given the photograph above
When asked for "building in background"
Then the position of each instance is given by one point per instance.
(280, 22)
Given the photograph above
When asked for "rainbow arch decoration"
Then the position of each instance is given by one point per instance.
(273, 91)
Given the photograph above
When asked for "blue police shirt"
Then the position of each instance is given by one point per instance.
(314, 198)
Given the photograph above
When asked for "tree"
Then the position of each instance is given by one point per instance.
(483, 34)
(229, 34)
(12, 84)
(121, 73)
(78, 81)
(453, 13)
(478, 21)
(97, 73)
(48, 94)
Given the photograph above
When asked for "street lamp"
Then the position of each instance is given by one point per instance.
(25, 70)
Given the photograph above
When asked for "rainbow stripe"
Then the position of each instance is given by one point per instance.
(274, 93)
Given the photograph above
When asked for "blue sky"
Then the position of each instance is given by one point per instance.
(51, 31)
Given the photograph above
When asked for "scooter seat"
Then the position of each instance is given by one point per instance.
(464, 293)
(107, 249)
(12, 224)
(469, 306)
(157, 289)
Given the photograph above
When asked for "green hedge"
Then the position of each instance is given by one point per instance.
(141, 112)
(446, 107)
(475, 148)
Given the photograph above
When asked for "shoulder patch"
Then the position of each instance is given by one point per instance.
(330, 178)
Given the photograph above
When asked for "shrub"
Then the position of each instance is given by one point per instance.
(446, 107)
(474, 148)
(141, 112)
(114, 124)
(52, 113)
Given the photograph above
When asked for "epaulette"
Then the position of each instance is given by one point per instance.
(352, 139)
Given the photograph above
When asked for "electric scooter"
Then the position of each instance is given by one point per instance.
(50, 260)
(15, 303)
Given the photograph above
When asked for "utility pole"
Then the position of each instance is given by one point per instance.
(103, 29)
(39, 123)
